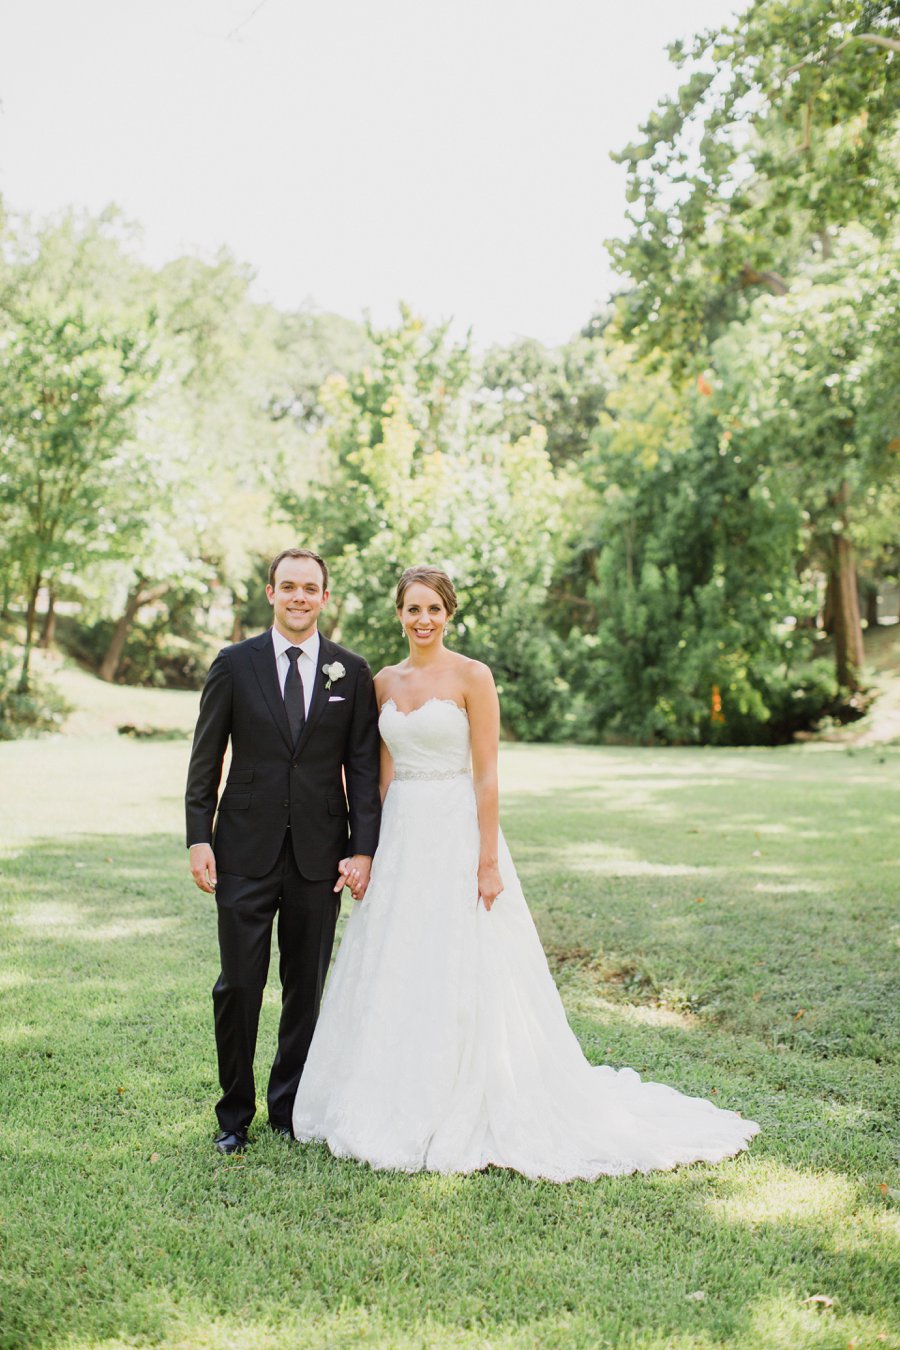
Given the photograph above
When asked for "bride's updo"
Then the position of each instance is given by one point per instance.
(432, 577)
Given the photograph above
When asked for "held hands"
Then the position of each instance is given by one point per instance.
(203, 867)
(490, 883)
(354, 872)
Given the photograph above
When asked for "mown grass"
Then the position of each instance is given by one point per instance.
(724, 921)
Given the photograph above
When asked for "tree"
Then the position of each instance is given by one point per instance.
(193, 509)
(784, 133)
(809, 385)
(413, 468)
(175, 486)
(68, 389)
(686, 571)
(562, 390)
(759, 175)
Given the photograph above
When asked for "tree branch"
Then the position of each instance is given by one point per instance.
(807, 126)
(773, 282)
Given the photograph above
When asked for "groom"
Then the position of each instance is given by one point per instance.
(300, 812)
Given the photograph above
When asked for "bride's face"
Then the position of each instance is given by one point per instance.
(423, 616)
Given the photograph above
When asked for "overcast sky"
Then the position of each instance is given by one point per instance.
(452, 153)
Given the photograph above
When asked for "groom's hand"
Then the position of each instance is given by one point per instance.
(354, 872)
(203, 867)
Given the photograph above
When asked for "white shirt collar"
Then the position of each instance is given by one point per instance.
(310, 646)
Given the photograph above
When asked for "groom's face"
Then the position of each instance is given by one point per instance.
(297, 597)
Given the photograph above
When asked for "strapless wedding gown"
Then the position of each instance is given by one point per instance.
(442, 1042)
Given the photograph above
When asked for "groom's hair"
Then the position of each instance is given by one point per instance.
(298, 553)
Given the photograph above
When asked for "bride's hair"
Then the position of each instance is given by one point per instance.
(432, 577)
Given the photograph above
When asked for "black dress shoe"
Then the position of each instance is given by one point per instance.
(284, 1131)
(231, 1141)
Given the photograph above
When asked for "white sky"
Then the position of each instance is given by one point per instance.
(452, 153)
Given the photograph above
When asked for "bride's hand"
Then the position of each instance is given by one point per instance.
(490, 883)
(354, 872)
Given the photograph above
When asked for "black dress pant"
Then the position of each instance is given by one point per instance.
(307, 913)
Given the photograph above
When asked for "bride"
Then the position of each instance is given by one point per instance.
(442, 1044)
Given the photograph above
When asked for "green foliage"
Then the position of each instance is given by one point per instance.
(160, 475)
(696, 615)
(666, 593)
(808, 383)
(564, 391)
(68, 388)
(775, 169)
(796, 696)
(413, 469)
(649, 528)
(784, 133)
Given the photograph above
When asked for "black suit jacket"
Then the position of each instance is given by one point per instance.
(271, 784)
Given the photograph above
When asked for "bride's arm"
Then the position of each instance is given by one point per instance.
(483, 708)
(387, 762)
(387, 770)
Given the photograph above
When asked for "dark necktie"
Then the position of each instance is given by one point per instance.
(293, 695)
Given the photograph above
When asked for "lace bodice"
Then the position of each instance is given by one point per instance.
(432, 741)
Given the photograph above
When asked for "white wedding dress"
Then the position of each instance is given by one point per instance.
(442, 1042)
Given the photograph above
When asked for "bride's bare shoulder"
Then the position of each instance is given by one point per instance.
(477, 677)
(469, 667)
(385, 681)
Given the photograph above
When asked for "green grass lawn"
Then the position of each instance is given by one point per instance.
(724, 921)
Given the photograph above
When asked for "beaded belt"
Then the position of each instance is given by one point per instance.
(411, 775)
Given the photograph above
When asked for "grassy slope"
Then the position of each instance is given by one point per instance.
(724, 921)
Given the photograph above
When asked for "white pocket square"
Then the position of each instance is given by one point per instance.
(337, 698)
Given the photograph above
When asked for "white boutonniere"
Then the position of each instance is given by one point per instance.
(334, 671)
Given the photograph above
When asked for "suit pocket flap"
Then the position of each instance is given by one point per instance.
(240, 776)
(235, 801)
(336, 806)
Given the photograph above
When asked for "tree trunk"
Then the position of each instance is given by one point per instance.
(48, 632)
(110, 663)
(848, 639)
(828, 605)
(30, 616)
(871, 594)
(237, 626)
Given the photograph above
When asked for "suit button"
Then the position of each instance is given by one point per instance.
(285, 803)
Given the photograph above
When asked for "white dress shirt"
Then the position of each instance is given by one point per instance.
(307, 663)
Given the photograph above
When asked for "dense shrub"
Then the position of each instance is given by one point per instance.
(795, 699)
(154, 655)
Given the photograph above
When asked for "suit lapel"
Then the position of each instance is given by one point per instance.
(267, 673)
(319, 695)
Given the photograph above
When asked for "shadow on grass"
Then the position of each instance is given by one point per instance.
(758, 894)
(124, 1226)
